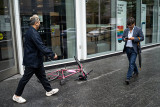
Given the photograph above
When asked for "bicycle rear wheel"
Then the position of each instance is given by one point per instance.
(52, 75)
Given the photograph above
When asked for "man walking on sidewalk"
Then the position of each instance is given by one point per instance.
(34, 49)
(132, 36)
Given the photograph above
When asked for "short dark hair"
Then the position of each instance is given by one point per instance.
(130, 21)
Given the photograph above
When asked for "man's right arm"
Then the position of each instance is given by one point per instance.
(124, 35)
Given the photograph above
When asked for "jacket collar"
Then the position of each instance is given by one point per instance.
(134, 30)
(33, 28)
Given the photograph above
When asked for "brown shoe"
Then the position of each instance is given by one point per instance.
(127, 81)
(135, 75)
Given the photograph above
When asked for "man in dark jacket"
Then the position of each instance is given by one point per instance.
(34, 50)
(132, 37)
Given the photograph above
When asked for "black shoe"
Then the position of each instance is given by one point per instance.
(127, 81)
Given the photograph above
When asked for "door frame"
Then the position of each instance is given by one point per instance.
(8, 72)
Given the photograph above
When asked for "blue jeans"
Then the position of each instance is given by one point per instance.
(132, 55)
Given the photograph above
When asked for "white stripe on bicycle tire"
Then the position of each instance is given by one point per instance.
(99, 76)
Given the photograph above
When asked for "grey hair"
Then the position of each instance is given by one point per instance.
(33, 19)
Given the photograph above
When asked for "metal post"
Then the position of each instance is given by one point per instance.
(81, 29)
(18, 35)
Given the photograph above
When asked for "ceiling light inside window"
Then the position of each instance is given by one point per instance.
(39, 5)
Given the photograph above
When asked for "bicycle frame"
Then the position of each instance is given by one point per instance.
(71, 71)
(56, 74)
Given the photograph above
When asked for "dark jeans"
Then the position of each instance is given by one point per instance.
(28, 73)
(132, 55)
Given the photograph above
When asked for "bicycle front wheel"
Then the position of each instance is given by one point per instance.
(52, 75)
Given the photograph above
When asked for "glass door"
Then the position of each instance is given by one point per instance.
(58, 31)
(101, 29)
(7, 59)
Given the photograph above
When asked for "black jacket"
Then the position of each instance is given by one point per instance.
(34, 49)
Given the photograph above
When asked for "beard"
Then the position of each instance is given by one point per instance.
(38, 27)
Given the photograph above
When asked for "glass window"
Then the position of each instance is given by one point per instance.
(133, 8)
(6, 45)
(101, 28)
(151, 16)
(57, 24)
(159, 22)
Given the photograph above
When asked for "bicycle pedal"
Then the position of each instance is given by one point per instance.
(81, 77)
(89, 72)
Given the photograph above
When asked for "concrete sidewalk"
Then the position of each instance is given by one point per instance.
(105, 86)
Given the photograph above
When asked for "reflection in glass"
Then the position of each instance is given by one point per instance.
(99, 26)
(6, 47)
(151, 20)
(57, 24)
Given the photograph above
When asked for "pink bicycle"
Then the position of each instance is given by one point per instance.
(64, 73)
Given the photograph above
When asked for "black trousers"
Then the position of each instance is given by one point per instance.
(28, 73)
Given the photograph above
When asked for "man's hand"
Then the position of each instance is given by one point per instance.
(126, 38)
(132, 38)
(55, 56)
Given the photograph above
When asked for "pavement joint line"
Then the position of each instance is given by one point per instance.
(99, 76)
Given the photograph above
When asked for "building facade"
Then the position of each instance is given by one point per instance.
(83, 28)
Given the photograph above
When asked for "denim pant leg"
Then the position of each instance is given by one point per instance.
(132, 55)
(28, 73)
(135, 68)
(40, 73)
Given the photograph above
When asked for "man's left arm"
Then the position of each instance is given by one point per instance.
(139, 37)
(40, 45)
